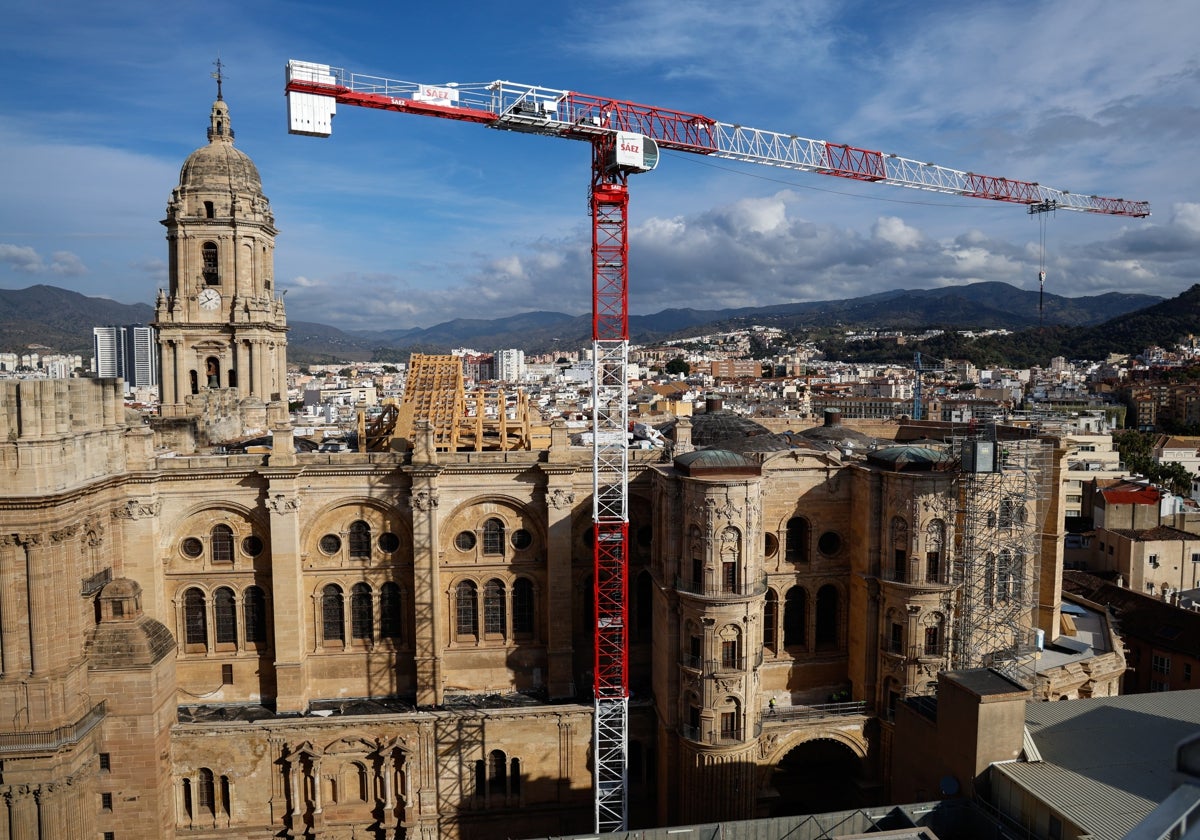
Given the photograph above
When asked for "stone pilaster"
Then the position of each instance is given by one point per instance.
(427, 600)
(14, 607)
(560, 504)
(41, 592)
(291, 626)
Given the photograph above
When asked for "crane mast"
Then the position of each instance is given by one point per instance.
(626, 138)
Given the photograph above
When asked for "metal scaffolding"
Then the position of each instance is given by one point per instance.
(1004, 494)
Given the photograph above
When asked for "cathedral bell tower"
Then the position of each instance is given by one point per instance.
(221, 326)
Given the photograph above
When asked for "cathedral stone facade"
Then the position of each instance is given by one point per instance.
(399, 644)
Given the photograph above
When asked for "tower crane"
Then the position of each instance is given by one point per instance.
(626, 139)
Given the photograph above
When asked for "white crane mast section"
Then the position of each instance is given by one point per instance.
(313, 90)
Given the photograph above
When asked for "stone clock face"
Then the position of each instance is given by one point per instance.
(209, 299)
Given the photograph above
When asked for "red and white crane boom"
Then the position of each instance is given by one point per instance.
(562, 113)
(626, 138)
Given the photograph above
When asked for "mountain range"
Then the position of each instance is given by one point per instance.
(61, 321)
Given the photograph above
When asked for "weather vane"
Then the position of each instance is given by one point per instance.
(218, 76)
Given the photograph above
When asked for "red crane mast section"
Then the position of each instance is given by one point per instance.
(626, 138)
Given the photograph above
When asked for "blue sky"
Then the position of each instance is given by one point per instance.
(400, 221)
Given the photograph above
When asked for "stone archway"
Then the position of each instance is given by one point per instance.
(817, 774)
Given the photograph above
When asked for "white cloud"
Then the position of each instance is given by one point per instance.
(26, 260)
(894, 231)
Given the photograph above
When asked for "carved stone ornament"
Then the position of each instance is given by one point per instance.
(766, 745)
(425, 500)
(61, 535)
(133, 509)
(281, 504)
(728, 510)
(560, 498)
(93, 536)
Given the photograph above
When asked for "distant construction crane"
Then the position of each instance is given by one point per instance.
(626, 139)
(919, 371)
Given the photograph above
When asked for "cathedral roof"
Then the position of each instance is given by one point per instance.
(910, 458)
(219, 166)
(704, 462)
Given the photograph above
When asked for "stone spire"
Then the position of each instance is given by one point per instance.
(219, 129)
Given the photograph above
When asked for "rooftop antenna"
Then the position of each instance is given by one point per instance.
(218, 76)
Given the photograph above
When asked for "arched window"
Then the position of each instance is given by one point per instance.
(514, 776)
(391, 624)
(225, 616)
(1004, 577)
(730, 559)
(254, 615)
(827, 616)
(1017, 573)
(731, 720)
(206, 799)
(195, 621)
(222, 544)
(493, 607)
(208, 259)
(643, 608)
(795, 618)
(493, 537)
(989, 580)
(333, 614)
(696, 545)
(899, 549)
(731, 647)
(770, 619)
(523, 607)
(797, 540)
(467, 621)
(935, 537)
(497, 773)
(362, 623)
(188, 807)
(360, 540)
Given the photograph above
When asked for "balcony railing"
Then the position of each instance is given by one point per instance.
(815, 712)
(917, 572)
(716, 666)
(723, 589)
(716, 736)
(53, 739)
(925, 650)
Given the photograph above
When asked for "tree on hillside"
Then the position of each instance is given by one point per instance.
(678, 365)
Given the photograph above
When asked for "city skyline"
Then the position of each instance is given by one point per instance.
(427, 220)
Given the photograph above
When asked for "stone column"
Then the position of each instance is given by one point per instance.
(260, 386)
(281, 367)
(166, 372)
(287, 596)
(51, 810)
(23, 814)
(5, 800)
(183, 384)
(241, 365)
